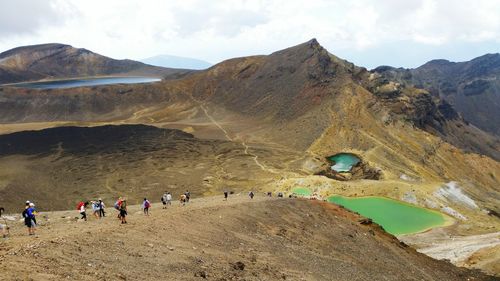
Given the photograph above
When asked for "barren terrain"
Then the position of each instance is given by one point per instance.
(238, 239)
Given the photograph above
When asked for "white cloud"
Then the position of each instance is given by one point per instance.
(220, 29)
(21, 17)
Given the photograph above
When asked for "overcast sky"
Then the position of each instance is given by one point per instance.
(369, 33)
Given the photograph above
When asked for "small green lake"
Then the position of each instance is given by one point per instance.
(343, 162)
(302, 191)
(395, 216)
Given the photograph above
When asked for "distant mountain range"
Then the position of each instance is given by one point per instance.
(177, 62)
(471, 87)
(54, 61)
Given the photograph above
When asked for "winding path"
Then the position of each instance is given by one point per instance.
(227, 135)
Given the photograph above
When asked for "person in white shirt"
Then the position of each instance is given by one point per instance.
(82, 211)
(169, 198)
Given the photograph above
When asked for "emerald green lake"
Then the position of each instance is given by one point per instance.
(396, 217)
(302, 191)
(343, 162)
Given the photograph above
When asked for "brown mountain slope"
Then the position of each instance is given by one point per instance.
(266, 239)
(52, 61)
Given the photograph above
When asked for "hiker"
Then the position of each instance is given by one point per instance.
(188, 195)
(226, 194)
(164, 200)
(101, 208)
(32, 205)
(269, 194)
(117, 207)
(81, 209)
(169, 198)
(123, 210)
(4, 229)
(251, 194)
(29, 217)
(145, 206)
(183, 199)
(95, 208)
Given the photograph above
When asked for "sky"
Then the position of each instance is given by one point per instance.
(401, 33)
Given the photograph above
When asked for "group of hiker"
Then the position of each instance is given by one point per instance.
(98, 206)
(29, 217)
(98, 209)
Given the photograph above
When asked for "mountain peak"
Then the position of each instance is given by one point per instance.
(313, 43)
(306, 47)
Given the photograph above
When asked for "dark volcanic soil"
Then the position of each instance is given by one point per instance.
(84, 163)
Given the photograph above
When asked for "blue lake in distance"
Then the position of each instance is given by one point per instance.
(84, 82)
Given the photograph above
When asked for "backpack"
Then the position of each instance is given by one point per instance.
(117, 204)
(147, 204)
(79, 206)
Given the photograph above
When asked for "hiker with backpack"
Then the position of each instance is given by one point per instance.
(117, 206)
(183, 199)
(81, 209)
(29, 217)
(226, 194)
(188, 195)
(123, 211)
(95, 208)
(145, 206)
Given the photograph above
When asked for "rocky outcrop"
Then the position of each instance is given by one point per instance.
(472, 87)
(421, 108)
